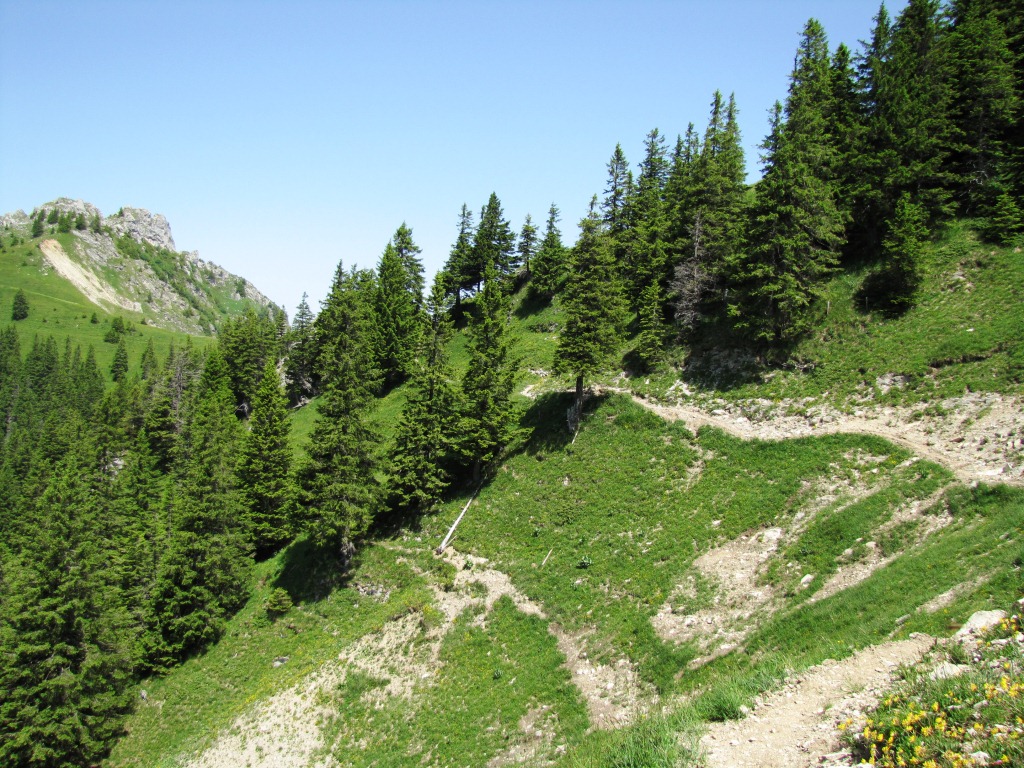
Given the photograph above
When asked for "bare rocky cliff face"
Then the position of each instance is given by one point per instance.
(171, 289)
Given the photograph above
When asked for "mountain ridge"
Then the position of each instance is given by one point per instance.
(128, 261)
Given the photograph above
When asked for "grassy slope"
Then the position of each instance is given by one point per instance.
(57, 308)
(624, 512)
(966, 332)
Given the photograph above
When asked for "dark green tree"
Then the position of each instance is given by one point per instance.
(527, 246)
(487, 420)
(397, 318)
(19, 310)
(119, 367)
(203, 575)
(459, 259)
(65, 655)
(338, 488)
(264, 468)
(493, 246)
(409, 254)
(247, 344)
(549, 264)
(592, 306)
(797, 229)
(426, 443)
(301, 361)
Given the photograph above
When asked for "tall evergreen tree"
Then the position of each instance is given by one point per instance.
(527, 246)
(19, 309)
(409, 254)
(119, 367)
(264, 468)
(301, 361)
(397, 318)
(592, 304)
(458, 262)
(549, 264)
(203, 576)
(487, 386)
(428, 433)
(493, 246)
(646, 251)
(797, 229)
(338, 488)
(65, 658)
(714, 230)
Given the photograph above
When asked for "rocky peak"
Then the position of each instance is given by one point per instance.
(143, 226)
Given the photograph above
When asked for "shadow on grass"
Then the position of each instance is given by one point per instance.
(546, 422)
(531, 304)
(310, 573)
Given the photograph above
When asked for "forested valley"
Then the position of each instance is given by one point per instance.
(137, 500)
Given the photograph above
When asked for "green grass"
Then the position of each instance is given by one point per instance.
(964, 333)
(188, 707)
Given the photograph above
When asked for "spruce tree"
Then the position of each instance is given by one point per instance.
(65, 658)
(409, 254)
(203, 575)
(119, 367)
(428, 434)
(301, 360)
(646, 249)
(527, 246)
(457, 267)
(797, 229)
(493, 246)
(592, 306)
(264, 468)
(338, 489)
(549, 264)
(397, 318)
(19, 309)
(487, 386)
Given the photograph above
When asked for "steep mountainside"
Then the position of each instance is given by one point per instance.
(127, 263)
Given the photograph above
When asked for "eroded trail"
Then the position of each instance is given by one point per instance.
(981, 437)
(795, 727)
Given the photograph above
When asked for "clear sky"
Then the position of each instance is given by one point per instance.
(279, 138)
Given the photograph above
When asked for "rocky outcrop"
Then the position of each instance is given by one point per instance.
(142, 226)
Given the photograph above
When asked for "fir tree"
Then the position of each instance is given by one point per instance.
(409, 254)
(487, 386)
(428, 433)
(203, 576)
(493, 246)
(65, 658)
(338, 489)
(301, 360)
(119, 367)
(527, 247)
(592, 304)
(646, 251)
(549, 264)
(797, 229)
(459, 259)
(264, 468)
(397, 318)
(19, 311)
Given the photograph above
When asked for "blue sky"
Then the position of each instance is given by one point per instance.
(280, 138)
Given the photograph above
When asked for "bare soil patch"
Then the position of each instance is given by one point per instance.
(94, 289)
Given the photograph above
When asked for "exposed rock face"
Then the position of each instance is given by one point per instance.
(143, 226)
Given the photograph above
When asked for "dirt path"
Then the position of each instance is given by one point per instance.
(795, 727)
(981, 437)
(85, 281)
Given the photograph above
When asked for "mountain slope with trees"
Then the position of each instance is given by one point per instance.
(615, 579)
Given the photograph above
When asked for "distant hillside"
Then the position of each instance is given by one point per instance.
(125, 263)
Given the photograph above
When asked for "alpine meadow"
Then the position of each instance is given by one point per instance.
(733, 474)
